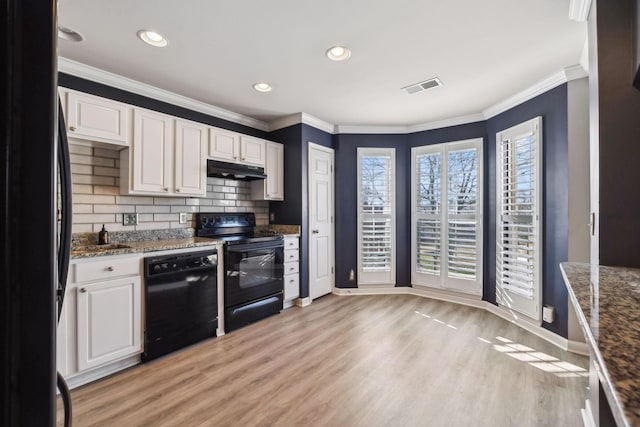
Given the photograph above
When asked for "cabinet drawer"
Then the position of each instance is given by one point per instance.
(292, 267)
(291, 243)
(108, 268)
(291, 255)
(291, 286)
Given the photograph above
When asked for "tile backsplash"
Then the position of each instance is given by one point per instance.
(97, 200)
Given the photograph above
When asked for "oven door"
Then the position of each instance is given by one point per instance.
(253, 271)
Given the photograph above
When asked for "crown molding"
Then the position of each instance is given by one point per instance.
(439, 124)
(84, 71)
(355, 129)
(305, 118)
(100, 76)
(575, 72)
(570, 73)
(285, 122)
(317, 123)
(579, 10)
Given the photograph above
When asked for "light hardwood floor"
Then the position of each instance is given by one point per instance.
(351, 361)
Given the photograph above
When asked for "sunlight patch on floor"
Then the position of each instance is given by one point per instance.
(537, 359)
(435, 320)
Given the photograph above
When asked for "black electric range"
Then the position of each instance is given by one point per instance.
(253, 263)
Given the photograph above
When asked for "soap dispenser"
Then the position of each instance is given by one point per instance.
(103, 236)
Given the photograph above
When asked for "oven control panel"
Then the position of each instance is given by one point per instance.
(225, 220)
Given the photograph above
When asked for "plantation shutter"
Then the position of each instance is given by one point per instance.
(462, 216)
(447, 216)
(376, 220)
(518, 225)
(428, 213)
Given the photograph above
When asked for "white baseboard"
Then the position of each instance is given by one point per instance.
(87, 377)
(578, 347)
(303, 302)
(587, 415)
(527, 325)
(288, 303)
(473, 301)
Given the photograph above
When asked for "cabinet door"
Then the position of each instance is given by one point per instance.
(152, 152)
(108, 321)
(98, 119)
(252, 150)
(190, 159)
(291, 286)
(274, 169)
(224, 145)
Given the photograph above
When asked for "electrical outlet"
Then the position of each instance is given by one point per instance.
(548, 314)
(183, 217)
(130, 219)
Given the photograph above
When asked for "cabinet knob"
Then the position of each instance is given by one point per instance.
(315, 231)
(72, 128)
(177, 190)
(291, 256)
(291, 280)
(235, 157)
(291, 268)
(244, 158)
(110, 268)
(83, 290)
(166, 188)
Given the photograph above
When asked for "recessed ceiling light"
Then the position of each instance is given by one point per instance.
(153, 38)
(262, 87)
(338, 53)
(69, 34)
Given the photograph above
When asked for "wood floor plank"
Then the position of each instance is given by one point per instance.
(394, 360)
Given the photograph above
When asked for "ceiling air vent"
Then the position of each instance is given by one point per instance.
(419, 87)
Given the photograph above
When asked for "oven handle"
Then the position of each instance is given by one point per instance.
(246, 247)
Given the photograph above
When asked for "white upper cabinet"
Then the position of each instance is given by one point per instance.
(252, 150)
(91, 118)
(236, 148)
(224, 145)
(151, 157)
(271, 188)
(190, 160)
(167, 157)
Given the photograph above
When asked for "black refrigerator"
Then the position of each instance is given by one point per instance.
(33, 242)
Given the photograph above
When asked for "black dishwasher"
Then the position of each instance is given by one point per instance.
(181, 301)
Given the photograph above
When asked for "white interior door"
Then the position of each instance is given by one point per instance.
(321, 210)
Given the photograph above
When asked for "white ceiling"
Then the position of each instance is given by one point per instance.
(483, 52)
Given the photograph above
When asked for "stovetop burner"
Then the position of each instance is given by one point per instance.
(233, 228)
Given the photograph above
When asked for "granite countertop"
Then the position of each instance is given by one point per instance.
(612, 323)
(286, 230)
(121, 248)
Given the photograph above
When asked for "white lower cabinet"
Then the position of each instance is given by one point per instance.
(100, 329)
(291, 270)
(109, 321)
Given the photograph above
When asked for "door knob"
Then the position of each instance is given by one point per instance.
(315, 231)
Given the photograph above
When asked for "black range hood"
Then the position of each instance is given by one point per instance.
(235, 171)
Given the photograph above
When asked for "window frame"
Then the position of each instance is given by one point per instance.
(384, 277)
(443, 280)
(531, 308)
